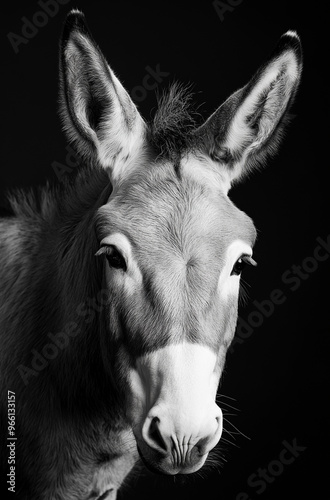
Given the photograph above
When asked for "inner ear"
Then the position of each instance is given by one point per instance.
(268, 108)
(253, 120)
(95, 109)
(248, 127)
(97, 112)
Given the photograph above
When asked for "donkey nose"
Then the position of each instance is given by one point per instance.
(154, 437)
(163, 433)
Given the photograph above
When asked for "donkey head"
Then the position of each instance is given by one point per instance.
(173, 243)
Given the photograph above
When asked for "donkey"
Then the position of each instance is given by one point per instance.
(119, 291)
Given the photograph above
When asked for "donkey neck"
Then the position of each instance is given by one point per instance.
(69, 276)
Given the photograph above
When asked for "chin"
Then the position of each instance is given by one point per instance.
(167, 466)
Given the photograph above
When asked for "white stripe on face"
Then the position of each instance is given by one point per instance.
(183, 378)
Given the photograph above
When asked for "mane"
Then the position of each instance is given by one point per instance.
(170, 131)
(42, 203)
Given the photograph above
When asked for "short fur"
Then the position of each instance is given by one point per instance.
(74, 437)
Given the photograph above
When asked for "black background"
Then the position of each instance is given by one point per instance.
(277, 377)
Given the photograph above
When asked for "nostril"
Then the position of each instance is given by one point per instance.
(212, 436)
(155, 435)
(196, 452)
(219, 421)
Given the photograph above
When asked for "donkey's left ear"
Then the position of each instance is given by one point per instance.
(97, 112)
(249, 125)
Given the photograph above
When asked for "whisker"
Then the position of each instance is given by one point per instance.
(220, 401)
(229, 442)
(215, 460)
(220, 395)
(243, 296)
(231, 433)
(239, 432)
(225, 406)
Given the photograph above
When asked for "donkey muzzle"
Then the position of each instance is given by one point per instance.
(171, 448)
(176, 421)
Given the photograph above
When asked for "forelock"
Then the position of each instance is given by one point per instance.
(171, 129)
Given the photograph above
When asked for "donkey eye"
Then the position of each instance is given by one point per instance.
(241, 263)
(238, 267)
(114, 257)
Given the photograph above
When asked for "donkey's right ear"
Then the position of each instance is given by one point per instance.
(97, 112)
